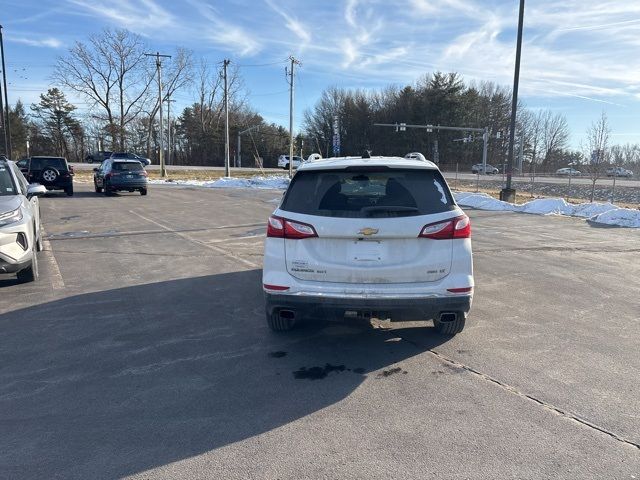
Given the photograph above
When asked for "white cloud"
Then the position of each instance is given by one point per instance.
(48, 42)
(302, 31)
(225, 34)
(139, 16)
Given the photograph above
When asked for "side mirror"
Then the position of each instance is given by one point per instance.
(36, 190)
(96, 169)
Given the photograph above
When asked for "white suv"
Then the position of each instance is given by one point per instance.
(19, 223)
(370, 236)
(283, 161)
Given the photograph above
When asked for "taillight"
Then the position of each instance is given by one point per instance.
(144, 172)
(279, 227)
(458, 227)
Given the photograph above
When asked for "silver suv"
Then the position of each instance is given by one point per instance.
(20, 237)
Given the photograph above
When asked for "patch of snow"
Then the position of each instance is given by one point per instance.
(604, 213)
(622, 217)
(483, 201)
(260, 182)
(588, 210)
(547, 206)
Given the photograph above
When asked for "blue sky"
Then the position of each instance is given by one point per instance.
(580, 57)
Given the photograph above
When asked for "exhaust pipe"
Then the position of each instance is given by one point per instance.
(447, 317)
(288, 314)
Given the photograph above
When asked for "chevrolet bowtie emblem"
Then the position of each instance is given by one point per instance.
(368, 231)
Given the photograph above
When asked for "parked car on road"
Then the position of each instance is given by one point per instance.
(283, 161)
(619, 172)
(131, 156)
(20, 237)
(568, 171)
(97, 157)
(120, 175)
(479, 168)
(52, 172)
(374, 236)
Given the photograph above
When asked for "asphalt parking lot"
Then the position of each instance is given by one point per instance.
(143, 352)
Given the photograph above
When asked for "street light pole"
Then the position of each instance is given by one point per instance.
(7, 125)
(508, 194)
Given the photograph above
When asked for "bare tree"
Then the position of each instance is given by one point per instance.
(112, 73)
(554, 135)
(597, 150)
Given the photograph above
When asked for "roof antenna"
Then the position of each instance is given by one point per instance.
(366, 153)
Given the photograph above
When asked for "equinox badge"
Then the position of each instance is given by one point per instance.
(368, 231)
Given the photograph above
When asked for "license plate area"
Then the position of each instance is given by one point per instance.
(365, 251)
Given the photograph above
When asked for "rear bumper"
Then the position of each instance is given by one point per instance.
(127, 185)
(426, 307)
(7, 267)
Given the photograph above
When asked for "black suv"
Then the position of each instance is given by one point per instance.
(52, 172)
(99, 156)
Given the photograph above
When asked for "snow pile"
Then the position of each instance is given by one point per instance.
(622, 217)
(483, 201)
(604, 213)
(271, 182)
(546, 206)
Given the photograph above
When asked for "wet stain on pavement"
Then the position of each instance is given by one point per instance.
(278, 354)
(317, 373)
(391, 371)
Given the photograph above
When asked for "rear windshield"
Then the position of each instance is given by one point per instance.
(368, 193)
(6, 181)
(127, 166)
(44, 162)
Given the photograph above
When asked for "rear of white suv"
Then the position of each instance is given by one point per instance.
(381, 236)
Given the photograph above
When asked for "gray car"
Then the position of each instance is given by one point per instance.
(120, 175)
(20, 237)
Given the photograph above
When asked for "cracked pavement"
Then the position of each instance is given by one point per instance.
(143, 353)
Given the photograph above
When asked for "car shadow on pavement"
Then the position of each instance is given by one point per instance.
(117, 382)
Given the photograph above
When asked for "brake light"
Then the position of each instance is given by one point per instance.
(458, 227)
(278, 288)
(144, 173)
(278, 227)
(460, 290)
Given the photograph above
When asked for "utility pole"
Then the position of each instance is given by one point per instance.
(4, 130)
(163, 170)
(291, 98)
(7, 125)
(508, 194)
(169, 133)
(226, 119)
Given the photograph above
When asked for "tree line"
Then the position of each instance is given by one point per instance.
(118, 83)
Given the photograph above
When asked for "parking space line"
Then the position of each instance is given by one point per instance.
(513, 390)
(198, 242)
(57, 282)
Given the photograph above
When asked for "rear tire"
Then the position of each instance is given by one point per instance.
(279, 324)
(286, 167)
(143, 191)
(29, 274)
(451, 328)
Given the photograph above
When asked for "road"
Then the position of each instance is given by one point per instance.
(143, 353)
(622, 182)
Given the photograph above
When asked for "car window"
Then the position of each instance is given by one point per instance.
(368, 193)
(23, 185)
(22, 163)
(126, 166)
(6, 181)
(44, 162)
